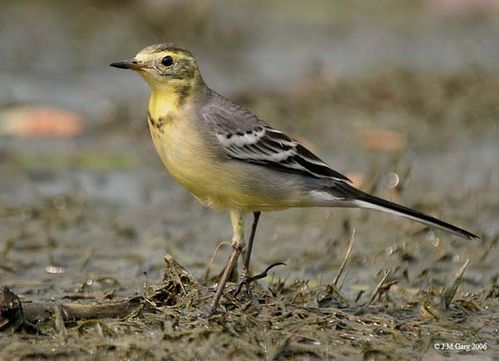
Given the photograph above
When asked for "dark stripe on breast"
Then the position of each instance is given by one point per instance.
(160, 122)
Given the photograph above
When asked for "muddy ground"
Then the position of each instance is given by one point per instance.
(88, 220)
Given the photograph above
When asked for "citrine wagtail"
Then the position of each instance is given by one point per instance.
(228, 158)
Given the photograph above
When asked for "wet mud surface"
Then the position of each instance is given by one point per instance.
(86, 221)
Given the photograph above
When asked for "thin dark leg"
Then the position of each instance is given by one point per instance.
(249, 248)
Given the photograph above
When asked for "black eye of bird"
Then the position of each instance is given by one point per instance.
(167, 61)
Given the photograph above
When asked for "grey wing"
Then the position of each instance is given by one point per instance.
(246, 138)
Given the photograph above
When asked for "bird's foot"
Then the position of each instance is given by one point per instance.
(208, 313)
(246, 280)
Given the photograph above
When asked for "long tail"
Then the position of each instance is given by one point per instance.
(365, 200)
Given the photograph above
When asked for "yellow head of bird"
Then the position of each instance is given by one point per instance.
(163, 66)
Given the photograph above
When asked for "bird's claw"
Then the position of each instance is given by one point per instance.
(245, 280)
(208, 313)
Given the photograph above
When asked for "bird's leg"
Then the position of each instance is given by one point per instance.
(237, 246)
(247, 256)
(245, 279)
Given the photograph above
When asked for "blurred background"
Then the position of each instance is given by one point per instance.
(402, 96)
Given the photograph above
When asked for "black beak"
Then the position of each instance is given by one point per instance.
(128, 64)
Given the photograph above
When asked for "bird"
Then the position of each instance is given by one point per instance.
(230, 159)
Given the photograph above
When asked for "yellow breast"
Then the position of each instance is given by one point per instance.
(196, 165)
(179, 148)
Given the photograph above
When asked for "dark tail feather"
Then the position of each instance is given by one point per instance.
(365, 200)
